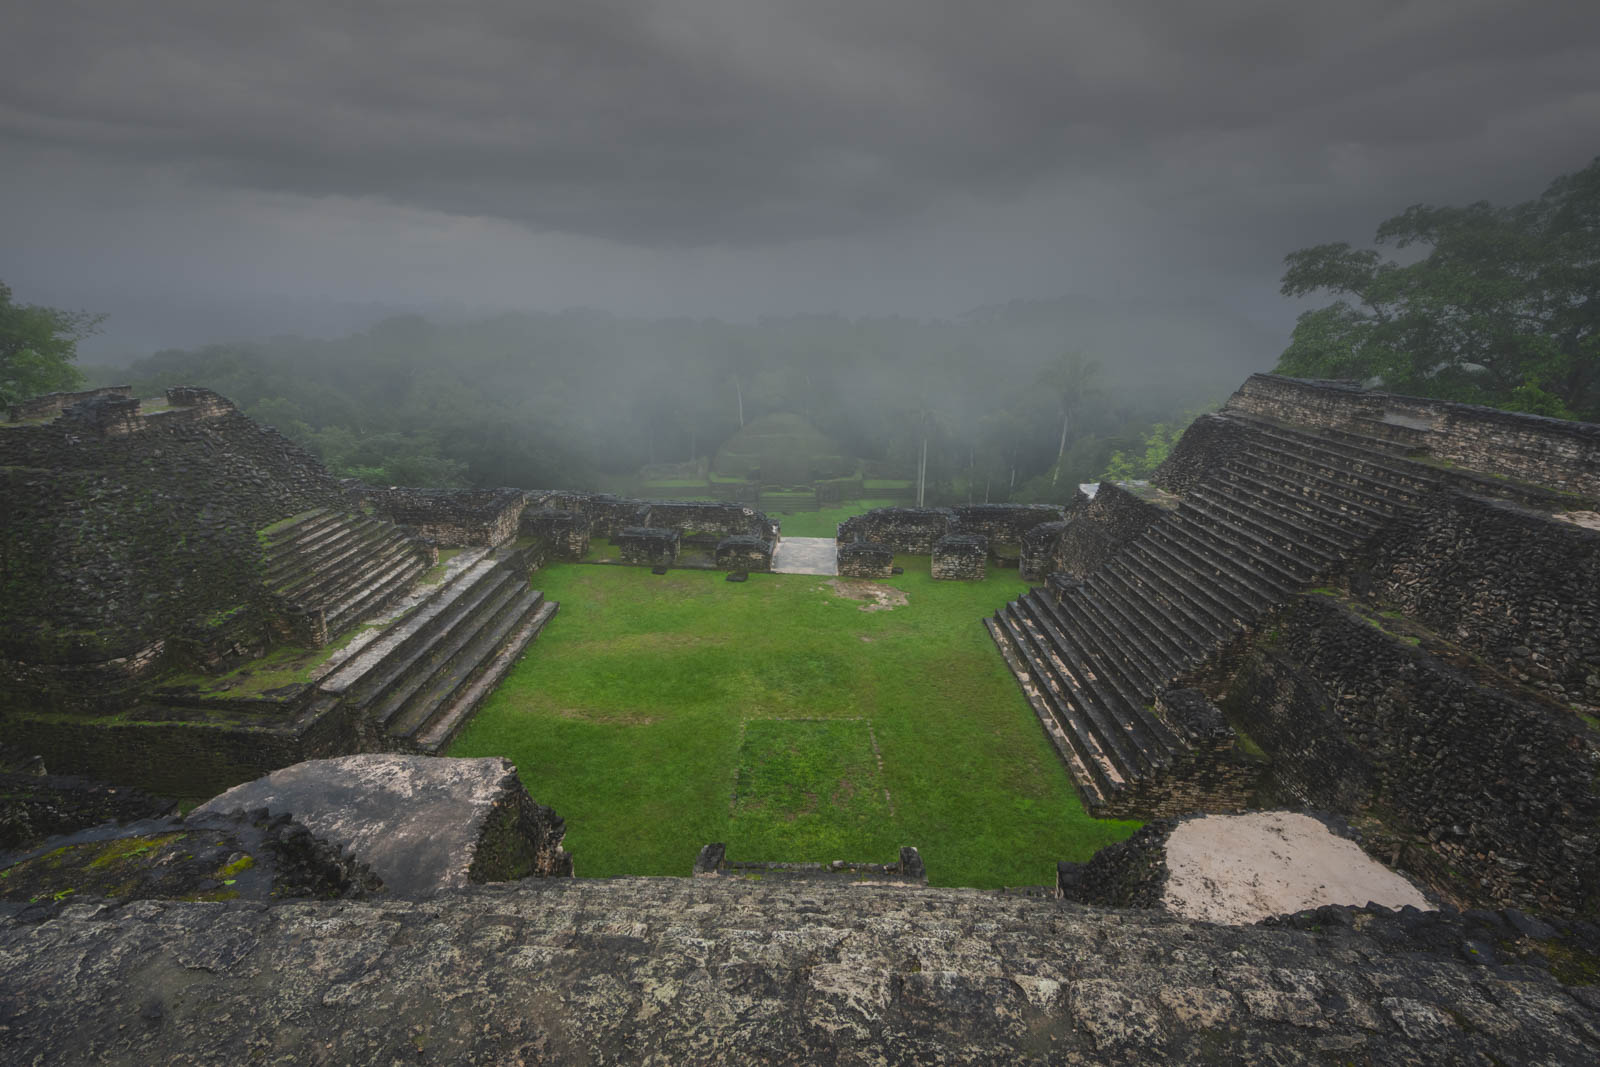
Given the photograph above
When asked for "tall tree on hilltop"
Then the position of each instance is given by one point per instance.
(1502, 309)
(38, 346)
(1073, 380)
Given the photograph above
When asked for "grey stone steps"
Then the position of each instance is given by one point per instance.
(1096, 710)
(1376, 497)
(455, 676)
(1132, 617)
(1382, 468)
(1260, 534)
(449, 722)
(1095, 769)
(375, 594)
(1242, 581)
(1192, 630)
(1123, 658)
(286, 566)
(318, 578)
(1226, 609)
(301, 525)
(1345, 510)
(1082, 776)
(376, 670)
(1124, 697)
(1115, 685)
(410, 700)
(1280, 518)
(1212, 524)
(1167, 595)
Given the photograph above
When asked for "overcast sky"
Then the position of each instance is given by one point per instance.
(203, 170)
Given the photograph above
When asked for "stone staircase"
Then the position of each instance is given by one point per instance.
(1277, 516)
(417, 684)
(325, 570)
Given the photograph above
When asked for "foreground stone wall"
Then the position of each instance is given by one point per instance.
(1552, 452)
(36, 806)
(1490, 795)
(675, 970)
(1515, 585)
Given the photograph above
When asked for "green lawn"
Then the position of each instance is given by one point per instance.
(823, 523)
(657, 714)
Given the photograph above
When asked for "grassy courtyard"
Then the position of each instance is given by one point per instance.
(660, 713)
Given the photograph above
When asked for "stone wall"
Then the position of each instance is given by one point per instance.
(452, 518)
(1489, 794)
(1552, 452)
(1212, 773)
(909, 530)
(863, 559)
(1514, 585)
(1003, 524)
(1102, 527)
(1206, 445)
(566, 533)
(960, 557)
(114, 542)
(36, 806)
(744, 553)
(49, 405)
(650, 546)
(607, 515)
(1127, 874)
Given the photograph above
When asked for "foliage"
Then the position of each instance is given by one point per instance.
(38, 346)
(628, 717)
(1136, 465)
(1499, 310)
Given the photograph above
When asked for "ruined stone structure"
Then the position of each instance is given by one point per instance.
(1433, 686)
(451, 518)
(171, 570)
(960, 557)
(648, 546)
(865, 559)
(730, 536)
(1005, 530)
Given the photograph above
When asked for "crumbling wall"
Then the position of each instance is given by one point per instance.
(36, 806)
(1004, 524)
(650, 546)
(1491, 794)
(566, 533)
(453, 518)
(909, 530)
(1104, 526)
(864, 559)
(1552, 452)
(960, 557)
(1515, 585)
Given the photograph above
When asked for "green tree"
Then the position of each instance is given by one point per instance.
(37, 347)
(1073, 380)
(1500, 310)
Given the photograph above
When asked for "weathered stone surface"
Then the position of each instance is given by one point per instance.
(960, 557)
(910, 530)
(36, 806)
(453, 518)
(422, 824)
(863, 559)
(679, 971)
(1105, 525)
(652, 546)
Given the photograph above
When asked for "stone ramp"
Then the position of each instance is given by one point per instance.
(806, 555)
(671, 970)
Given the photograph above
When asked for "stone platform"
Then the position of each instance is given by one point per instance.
(806, 555)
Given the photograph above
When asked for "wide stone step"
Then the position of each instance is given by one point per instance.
(1168, 597)
(1130, 709)
(1106, 676)
(1206, 521)
(1339, 481)
(1281, 517)
(1164, 644)
(1069, 711)
(1200, 590)
(370, 675)
(458, 674)
(318, 579)
(284, 565)
(1120, 655)
(1264, 528)
(1082, 776)
(376, 595)
(301, 525)
(1221, 565)
(1375, 455)
(1313, 500)
(1094, 712)
(453, 717)
(464, 643)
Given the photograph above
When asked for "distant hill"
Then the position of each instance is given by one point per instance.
(785, 449)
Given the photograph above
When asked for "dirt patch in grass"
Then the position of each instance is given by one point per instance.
(605, 719)
(877, 597)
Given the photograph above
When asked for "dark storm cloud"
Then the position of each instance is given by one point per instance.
(724, 122)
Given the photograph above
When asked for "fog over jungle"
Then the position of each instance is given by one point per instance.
(1119, 179)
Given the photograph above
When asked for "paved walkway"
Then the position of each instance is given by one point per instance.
(806, 555)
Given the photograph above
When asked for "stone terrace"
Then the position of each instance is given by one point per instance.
(679, 970)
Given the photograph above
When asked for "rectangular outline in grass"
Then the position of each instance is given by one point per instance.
(872, 740)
